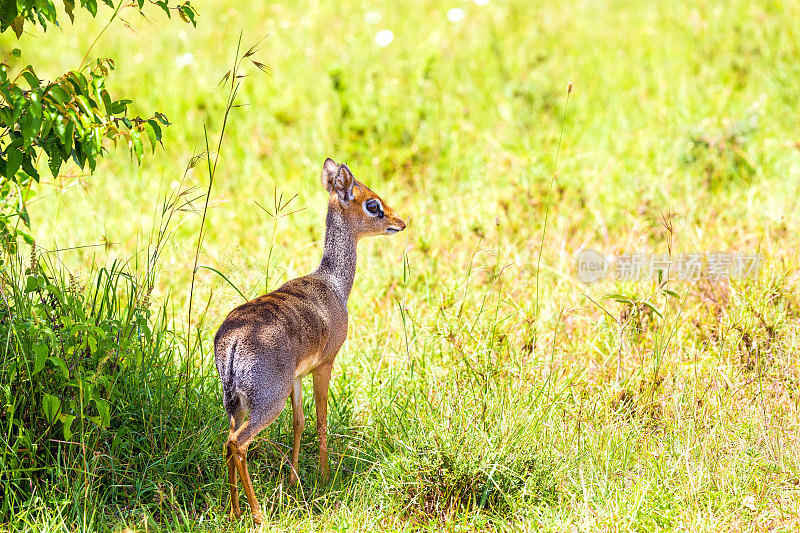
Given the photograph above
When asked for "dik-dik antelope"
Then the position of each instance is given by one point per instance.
(266, 346)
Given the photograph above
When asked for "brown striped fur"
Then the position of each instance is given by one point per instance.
(266, 346)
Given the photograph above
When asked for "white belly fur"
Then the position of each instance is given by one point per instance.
(307, 365)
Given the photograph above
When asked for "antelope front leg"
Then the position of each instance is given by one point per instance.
(322, 378)
(299, 422)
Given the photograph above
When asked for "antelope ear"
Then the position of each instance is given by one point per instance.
(343, 183)
(329, 170)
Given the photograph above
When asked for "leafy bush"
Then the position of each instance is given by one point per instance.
(78, 371)
(14, 14)
(66, 119)
(63, 352)
(76, 362)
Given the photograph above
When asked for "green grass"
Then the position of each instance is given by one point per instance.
(460, 402)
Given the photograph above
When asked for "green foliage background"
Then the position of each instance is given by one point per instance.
(461, 400)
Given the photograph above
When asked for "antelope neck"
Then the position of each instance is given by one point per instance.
(338, 264)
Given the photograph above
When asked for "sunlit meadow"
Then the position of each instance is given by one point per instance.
(483, 386)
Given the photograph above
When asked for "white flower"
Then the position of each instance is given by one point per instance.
(455, 14)
(184, 60)
(372, 16)
(383, 38)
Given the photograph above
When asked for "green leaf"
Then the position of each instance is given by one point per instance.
(5, 116)
(120, 106)
(26, 123)
(78, 81)
(69, 136)
(30, 170)
(162, 118)
(78, 155)
(31, 77)
(620, 298)
(16, 52)
(17, 25)
(32, 122)
(51, 406)
(66, 420)
(14, 158)
(104, 411)
(106, 101)
(20, 102)
(84, 104)
(59, 363)
(187, 13)
(8, 12)
(98, 84)
(78, 121)
(31, 284)
(27, 237)
(58, 94)
(151, 134)
(91, 5)
(54, 162)
(136, 145)
(69, 7)
(48, 9)
(65, 133)
(47, 123)
(163, 4)
(651, 307)
(92, 342)
(156, 128)
(40, 352)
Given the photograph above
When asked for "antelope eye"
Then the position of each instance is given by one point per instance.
(373, 206)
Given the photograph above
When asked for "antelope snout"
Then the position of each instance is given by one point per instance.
(397, 226)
